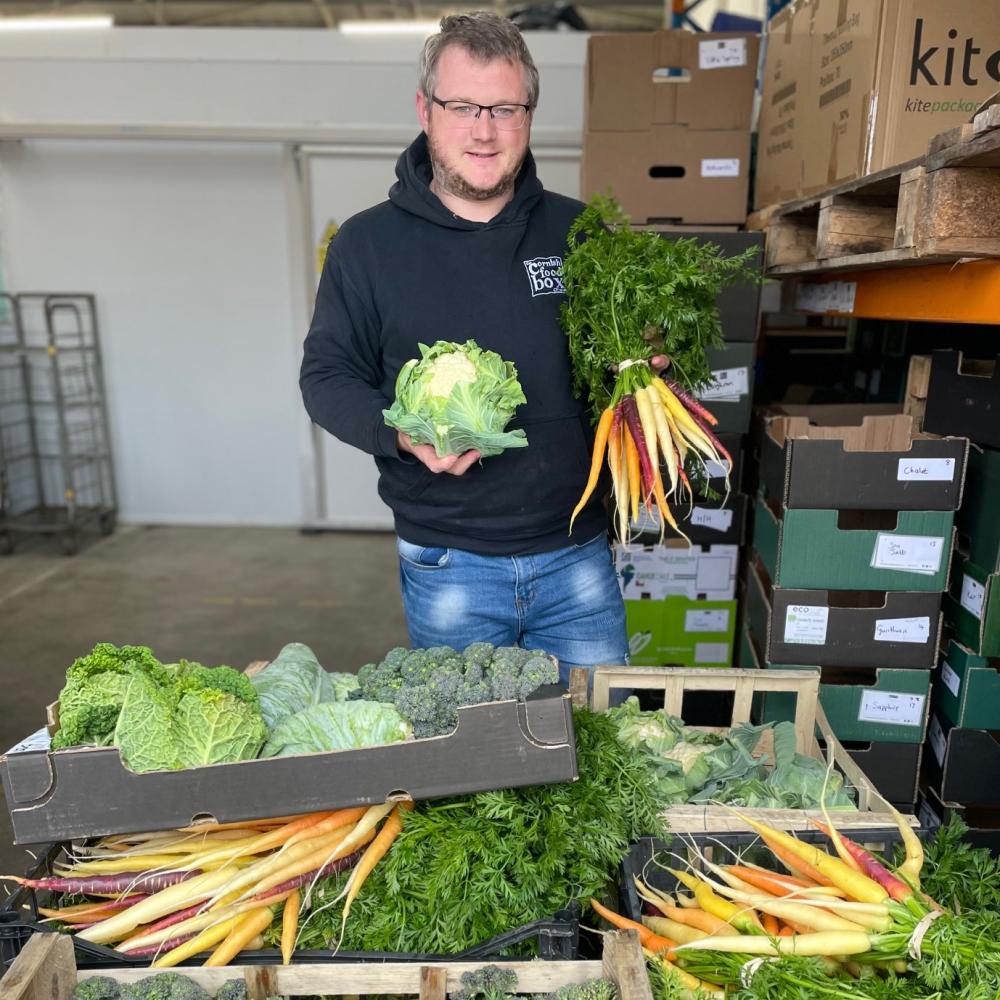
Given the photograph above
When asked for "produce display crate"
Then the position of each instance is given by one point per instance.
(810, 723)
(555, 939)
(89, 791)
(46, 969)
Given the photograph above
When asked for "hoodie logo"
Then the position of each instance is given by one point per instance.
(545, 276)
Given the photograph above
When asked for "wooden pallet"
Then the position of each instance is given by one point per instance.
(943, 207)
(46, 970)
(811, 725)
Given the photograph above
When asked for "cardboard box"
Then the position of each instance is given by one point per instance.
(637, 80)
(712, 523)
(696, 572)
(828, 458)
(89, 792)
(854, 549)
(730, 398)
(677, 631)
(967, 689)
(963, 398)
(893, 768)
(778, 176)
(881, 79)
(972, 607)
(670, 173)
(977, 520)
(831, 628)
(964, 764)
(983, 821)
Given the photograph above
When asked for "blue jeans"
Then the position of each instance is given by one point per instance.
(565, 602)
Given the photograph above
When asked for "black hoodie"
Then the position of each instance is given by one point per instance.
(409, 271)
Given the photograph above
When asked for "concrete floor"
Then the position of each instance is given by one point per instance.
(215, 595)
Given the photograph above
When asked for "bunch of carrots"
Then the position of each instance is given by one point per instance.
(172, 895)
(847, 908)
(651, 421)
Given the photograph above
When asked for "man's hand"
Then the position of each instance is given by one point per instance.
(456, 465)
(659, 363)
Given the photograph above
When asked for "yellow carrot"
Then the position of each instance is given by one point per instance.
(818, 944)
(662, 428)
(333, 821)
(289, 925)
(910, 868)
(242, 933)
(614, 463)
(206, 939)
(686, 979)
(597, 461)
(696, 917)
(648, 422)
(673, 929)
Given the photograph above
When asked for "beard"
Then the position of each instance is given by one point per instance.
(454, 183)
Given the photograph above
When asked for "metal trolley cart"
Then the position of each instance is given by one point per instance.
(56, 469)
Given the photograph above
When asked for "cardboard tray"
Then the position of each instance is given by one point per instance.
(963, 765)
(89, 792)
(810, 726)
(963, 398)
(835, 457)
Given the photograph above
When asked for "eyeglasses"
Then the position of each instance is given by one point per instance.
(463, 114)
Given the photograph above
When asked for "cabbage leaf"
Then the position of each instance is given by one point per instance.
(341, 725)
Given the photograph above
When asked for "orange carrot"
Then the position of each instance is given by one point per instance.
(698, 918)
(649, 940)
(770, 924)
(327, 823)
(796, 865)
(777, 884)
(632, 466)
(597, 461)
(289, 925)
(786, 931)
(243, 932)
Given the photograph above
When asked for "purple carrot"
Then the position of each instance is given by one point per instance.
(630, 411)
(107, 884)
(690, 403)
(153, 950)
(103, 907)
(176, 918)
(333, 868)
(695, 412)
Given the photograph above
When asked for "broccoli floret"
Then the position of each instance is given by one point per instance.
(538, 670)
(478, 653)
(164, 986)
(437, 654)
(379, 681)
(504, 678)
(232, 989)
(593, 989)
(417, 667)
(396, 656)
(491, 982)
(97, 988)
(423, 730)
(475, 692)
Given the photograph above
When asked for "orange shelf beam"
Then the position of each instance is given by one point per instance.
(937, 293)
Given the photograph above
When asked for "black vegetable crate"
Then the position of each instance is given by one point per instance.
(89, 791)
(963, 398)
(556, 939)
(649, 858)
(983, 822)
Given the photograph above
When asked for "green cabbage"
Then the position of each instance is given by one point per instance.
(341, 725)
(458, 397)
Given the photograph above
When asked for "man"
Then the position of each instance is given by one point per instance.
(469, 246)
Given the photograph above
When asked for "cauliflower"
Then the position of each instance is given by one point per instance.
(447, 371)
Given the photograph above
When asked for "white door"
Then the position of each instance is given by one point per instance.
(341, 181)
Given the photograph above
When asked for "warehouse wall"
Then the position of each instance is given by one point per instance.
(191, 247)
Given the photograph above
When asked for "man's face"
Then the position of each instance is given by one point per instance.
(478, 163)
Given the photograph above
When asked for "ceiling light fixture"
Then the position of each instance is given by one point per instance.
(55, 23)
(400, 27)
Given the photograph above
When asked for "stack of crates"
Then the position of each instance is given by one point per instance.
(852, 546)
(680, 599)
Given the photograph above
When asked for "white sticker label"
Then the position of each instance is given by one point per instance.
(926, 470)
(951, 680)
(908, 553)
(892, 708)
(973, 596)
(806, 625)
(728, 384)
(39, 740)
(708, 517)
(903, 629)
(722, 53)
(721, 167)
(828, 296)
(937, 741)
(711, 652)
(716, 470)
(707, 621)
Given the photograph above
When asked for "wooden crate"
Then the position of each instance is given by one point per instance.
(810, 725)
(46, 970)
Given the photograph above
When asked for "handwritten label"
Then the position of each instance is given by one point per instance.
(908, 553)
(728, 385)
(711, 652)
(828, 296)
(973, 596)
(723, 53)
(707, 621)
(935, 736)
(806, 625)
(951, 680)
(708, 517)
(903, 629)
(892, 708)
(721, 167)
(927, 470)
(39, 740)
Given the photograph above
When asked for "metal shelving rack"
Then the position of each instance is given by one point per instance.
(56, 468)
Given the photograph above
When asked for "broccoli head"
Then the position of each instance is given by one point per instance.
(417, 667)
(164, 986)
(491, 982)
(593, 989)
(379, 681)
(538, 670)
(417, 704)
(478, 653)
(232, 989)
(438, 654)
(475, 692)
(97, 988)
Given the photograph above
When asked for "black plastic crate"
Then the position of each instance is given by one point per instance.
(554, 940)
(719, 849)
